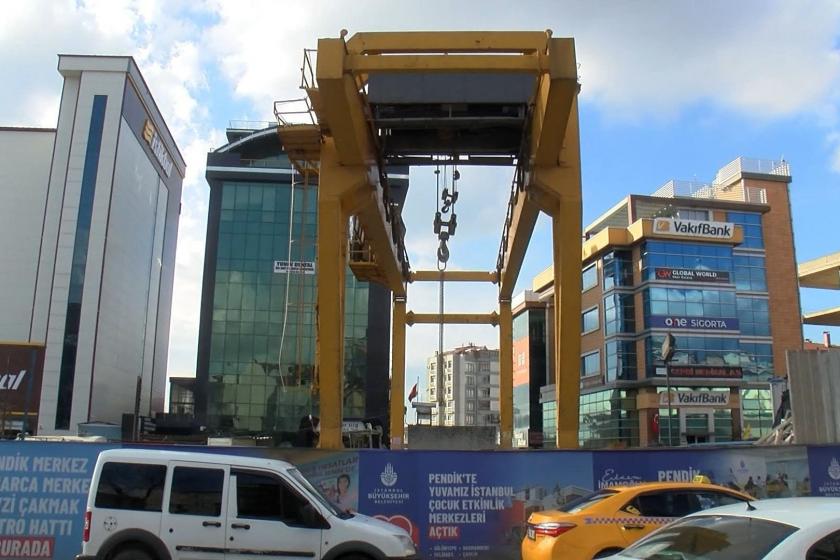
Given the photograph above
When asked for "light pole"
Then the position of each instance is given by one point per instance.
(669, 345)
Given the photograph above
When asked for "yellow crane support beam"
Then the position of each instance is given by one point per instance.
(454, 276)
(412, 318)
(397, 403)
(406, 63)
(505, 374)
(448, 42)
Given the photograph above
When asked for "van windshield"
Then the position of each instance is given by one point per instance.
(315, 493)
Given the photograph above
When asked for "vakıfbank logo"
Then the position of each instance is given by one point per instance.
(388, 476)
(693, 228)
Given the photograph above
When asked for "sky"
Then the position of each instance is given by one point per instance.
(669, 90)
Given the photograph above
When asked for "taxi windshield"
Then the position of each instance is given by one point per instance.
(581, 504)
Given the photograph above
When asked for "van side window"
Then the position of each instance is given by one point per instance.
(197, 491)
(262, 496)
(132, 486)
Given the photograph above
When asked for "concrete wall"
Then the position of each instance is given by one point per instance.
(24, 175)
(814, 379)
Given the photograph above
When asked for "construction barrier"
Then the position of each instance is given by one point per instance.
(455, 504)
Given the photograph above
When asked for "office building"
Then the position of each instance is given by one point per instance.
(256, 369)
(88, 227)
(713, 264)
(467, 388)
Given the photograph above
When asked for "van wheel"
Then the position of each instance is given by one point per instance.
(355, 556)
(132, 553)
(607, 553)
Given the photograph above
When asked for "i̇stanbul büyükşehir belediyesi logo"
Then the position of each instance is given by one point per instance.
(388, 476)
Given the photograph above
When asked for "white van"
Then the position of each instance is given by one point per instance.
(173, 505)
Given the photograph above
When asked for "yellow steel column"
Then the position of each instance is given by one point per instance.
(506, 373)
(334, 183)
(566, 230)
(398, 373)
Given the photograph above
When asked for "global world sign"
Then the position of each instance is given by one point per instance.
(697, 323)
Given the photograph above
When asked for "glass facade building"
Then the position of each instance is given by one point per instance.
(698, 262)
(257, 363)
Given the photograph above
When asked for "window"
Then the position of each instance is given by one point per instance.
(449, 378)
(827, 548)
(667, 255)
(693, 214)
(469, 419)
(470, 380)
(709, 500)
(263, 496)
(688, 302)
(483, 405)
(740, 538)
(608, 419)
(470, 392)
(754, 316)
(618, 269)
(131, 486)
(484, 392)
(666, 504)
(197, 491)
(449, 391)
(619, 314)
(589, 320)
(485, 366)
(590, 364)
(751, 223)
(750, 273)
(470, 405)
(433, 380)
(485, 380)
(470, 367)
(621, 359)
(590, 277)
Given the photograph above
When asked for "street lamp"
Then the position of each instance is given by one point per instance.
(669, 345)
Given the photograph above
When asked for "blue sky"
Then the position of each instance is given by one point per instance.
(669, 90)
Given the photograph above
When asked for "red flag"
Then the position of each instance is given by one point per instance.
(413, 394)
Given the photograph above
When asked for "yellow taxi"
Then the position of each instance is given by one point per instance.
(606, 521)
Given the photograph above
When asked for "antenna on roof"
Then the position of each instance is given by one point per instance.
(750, 507)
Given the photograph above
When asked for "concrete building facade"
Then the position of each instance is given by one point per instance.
(467, 388)
(90, 219)
(714, 265)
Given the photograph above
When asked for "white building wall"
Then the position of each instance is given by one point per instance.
(24, 176)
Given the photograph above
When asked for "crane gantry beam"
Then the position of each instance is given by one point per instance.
(360, 134)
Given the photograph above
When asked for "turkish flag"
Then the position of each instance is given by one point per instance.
(654, 425)
(413, 394)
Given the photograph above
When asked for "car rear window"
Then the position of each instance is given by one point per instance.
(712, 537)
(131, 486)
(581, 504)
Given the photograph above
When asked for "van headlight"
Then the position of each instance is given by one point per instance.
(407, 543)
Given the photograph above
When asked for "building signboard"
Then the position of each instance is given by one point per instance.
(697, 323)
(151, 136)
(704, 372)
(294, 267)
(693, 275)
(693, 228)
(21, 368)
(695, 398)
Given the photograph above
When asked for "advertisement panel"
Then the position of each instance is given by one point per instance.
(21, 368)
(697, 323)
(43, 495)
(695, 398)
(469, 504)
(824, 465)
(693, 275)
(764, 473)
(703, 372)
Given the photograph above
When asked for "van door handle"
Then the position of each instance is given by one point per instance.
(211, 523)
(240, 526)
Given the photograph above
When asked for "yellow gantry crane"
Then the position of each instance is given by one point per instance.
(437, 99)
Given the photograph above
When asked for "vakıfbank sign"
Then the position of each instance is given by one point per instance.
(695, 398)
(151, 136)
(693, 228)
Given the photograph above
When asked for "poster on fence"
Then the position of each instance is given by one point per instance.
(763, 473)
(469, 504)
(43, 495)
